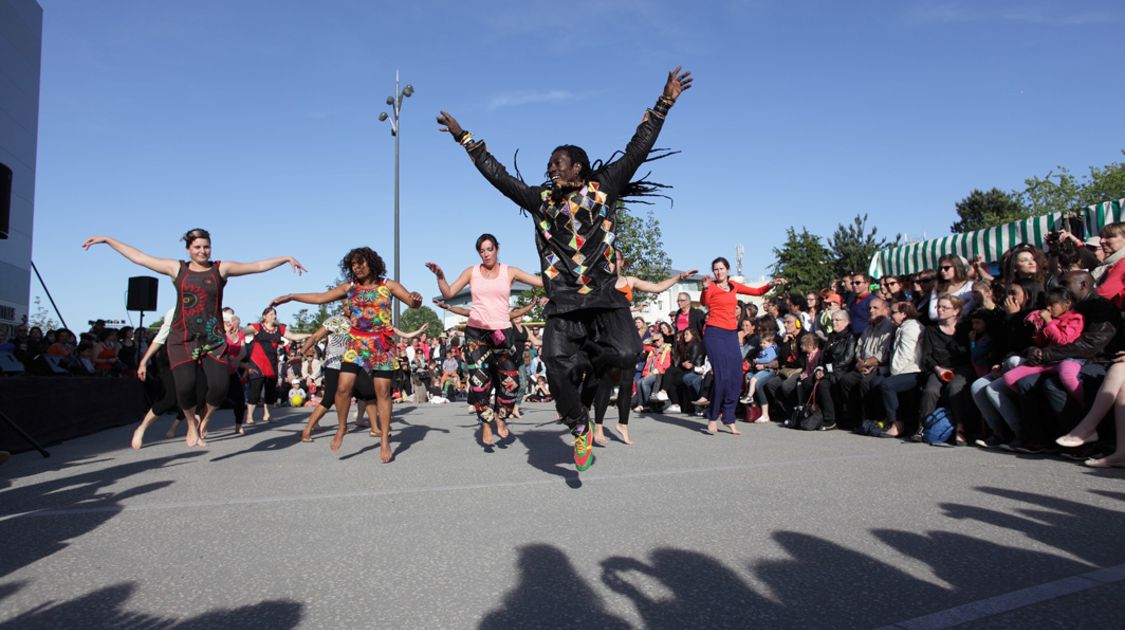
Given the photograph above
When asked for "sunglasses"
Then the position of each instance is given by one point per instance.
(946, 267)
(857, 281)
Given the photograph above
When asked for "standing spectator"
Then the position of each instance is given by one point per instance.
(687, 316)
(858, 306)
(953, 279)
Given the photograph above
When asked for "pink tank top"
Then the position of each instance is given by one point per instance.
(490, 300)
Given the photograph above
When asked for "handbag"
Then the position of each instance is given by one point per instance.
(753, 412)
(806, 415)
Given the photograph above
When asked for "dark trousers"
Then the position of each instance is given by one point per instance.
(955, 393)
(261, 389)
(890, 387)
(853, 396)
(803, 391)
(726, 363)
(186, 376)
(1046, 409)
(781, 393)
(586, 344)
(236, 398)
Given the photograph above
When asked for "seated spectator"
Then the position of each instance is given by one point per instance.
(687, 354)
(1056, 325)
(762, 367)
(872, 361)
(85, 364)
(748, 339)
(832, 303)
(952, 279)
(450, 379)
(813, 382)
(946, 365)
(906, 364)
(892, 290)
(657, 363)
(540, 392)
(791, 361)
(1110, 275)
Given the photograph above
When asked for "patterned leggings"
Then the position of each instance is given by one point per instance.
(490, 366)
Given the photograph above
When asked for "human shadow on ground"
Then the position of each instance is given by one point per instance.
(38, 519)
(546, 452)
(405, 437)
(105, 608)
(276, 443)
(821, 583)
(698, 425)
(550, 594)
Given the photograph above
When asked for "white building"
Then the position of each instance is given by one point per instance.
(21, 38)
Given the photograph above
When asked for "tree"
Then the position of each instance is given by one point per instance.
(854, 246)
(41, 317)
(525, 298)
(987, 209)
(641, 242)
(413, 319)
(1052, 193)
(1105, 184)
(804, 261)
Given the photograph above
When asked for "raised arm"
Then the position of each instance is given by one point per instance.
(659, 287)
(618, 173)
(450, 290)
(523, 195)
(456, 310)
(411, 335)
(295, 336)
(412, 299)
(230, 268)
(166, 266)
(324, 297)
(531, 279)
(313, 339)
(761, 289)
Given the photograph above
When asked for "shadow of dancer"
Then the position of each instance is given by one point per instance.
(705, 592)
(548, 453)
(550, 594)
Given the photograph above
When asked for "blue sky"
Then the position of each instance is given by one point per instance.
(257, 120)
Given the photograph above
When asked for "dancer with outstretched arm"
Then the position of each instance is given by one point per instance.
(369, 296)
(489, 339)
(197, 338)
(589, 328)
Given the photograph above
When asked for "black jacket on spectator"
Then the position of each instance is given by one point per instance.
(1095, 342)
(947, 351)
(838, 352)
(1018, 332)
(696, 317)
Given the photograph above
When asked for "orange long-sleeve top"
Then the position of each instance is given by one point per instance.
(722, 306)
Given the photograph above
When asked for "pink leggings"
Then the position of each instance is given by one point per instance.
(1067, 371)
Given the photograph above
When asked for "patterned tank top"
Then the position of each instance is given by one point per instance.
(197, 324)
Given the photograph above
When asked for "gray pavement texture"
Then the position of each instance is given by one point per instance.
(771, 529)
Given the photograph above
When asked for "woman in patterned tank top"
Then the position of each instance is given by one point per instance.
(370, 346)
(197, 339)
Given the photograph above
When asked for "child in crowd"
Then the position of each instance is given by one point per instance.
(1056, 325)
(297, 394)
(761, 367)
(980, 344)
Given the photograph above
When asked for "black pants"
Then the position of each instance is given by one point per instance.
(588, 343)
(604, 390)
(780, 393)
(855, 401)
(236, 398)
(804, 390)
(167, 401)
(188, 375)
(263, 389)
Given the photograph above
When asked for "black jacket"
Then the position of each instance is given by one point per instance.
(839, 352)
(575, 235)
(696, 317)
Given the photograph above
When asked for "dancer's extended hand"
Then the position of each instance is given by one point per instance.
(677, 83)
(432, 266)
(441, 303)
(94, 240)
(687, 274)
(450, 125)
(706, 282)
(298, 268)
(415, 299)
(281, 299)
(142, 371)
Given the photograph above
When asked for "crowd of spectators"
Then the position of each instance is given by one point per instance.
(1012, 354)
(101, 351)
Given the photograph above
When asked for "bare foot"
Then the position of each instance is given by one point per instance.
(385, 454)
(1073, 441)
(895, 430)
(338, 439)
(374, 433)
(1113, 461)
(266, 418)
(239, 431)
(502, 428)
(623, 431)
(138, 437)
(732, 428)
(486, 433)
(192, 439)
(306, 436)
(599, 435)
(712, 426)
(200, 443)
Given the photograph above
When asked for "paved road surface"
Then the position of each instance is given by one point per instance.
(773, 529)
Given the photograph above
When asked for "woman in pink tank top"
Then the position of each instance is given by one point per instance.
(488, 335)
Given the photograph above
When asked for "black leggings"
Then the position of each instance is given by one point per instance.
(236, 399)
(362, 389)
(187, 377)
(167, 400)
(259, 383)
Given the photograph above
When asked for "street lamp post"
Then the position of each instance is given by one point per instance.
(396, 108)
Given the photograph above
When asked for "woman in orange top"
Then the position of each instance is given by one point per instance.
(721, 341)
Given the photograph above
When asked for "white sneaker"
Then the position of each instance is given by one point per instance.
(673, 409)
(746, 400)
(661, 395)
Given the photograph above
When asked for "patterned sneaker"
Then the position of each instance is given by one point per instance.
(583, 451)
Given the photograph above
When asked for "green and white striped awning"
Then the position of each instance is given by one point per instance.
(990, 243)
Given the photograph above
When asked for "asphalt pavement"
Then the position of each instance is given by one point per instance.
(771, 529)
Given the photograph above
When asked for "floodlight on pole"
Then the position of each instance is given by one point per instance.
(396, 109)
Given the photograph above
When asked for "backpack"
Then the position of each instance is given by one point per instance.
(937, 429)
